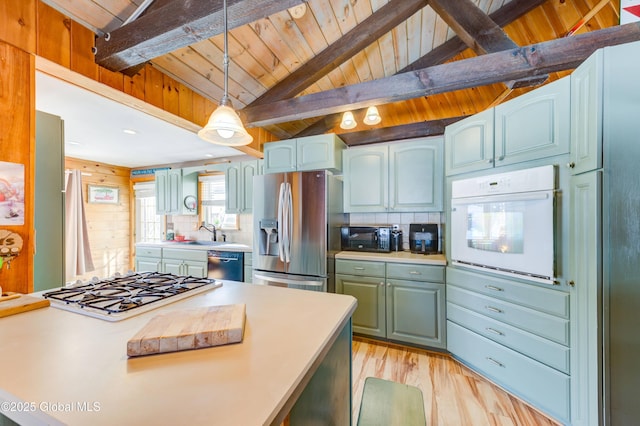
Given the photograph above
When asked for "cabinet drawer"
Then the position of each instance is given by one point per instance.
(409, 271)
(540, 323)
(543, 350)
(542, 299)
(185, 254)
(544, 387)
(148, 251)
(356, 267)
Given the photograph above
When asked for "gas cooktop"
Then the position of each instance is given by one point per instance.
(123, 296)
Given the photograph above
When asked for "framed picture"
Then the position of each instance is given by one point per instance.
(103, 194)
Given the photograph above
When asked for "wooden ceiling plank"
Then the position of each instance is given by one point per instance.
(473, 26)
(177, 24)
(252, 43)
(507, 65)
(337, 53)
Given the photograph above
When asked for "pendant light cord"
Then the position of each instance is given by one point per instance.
(225, 58)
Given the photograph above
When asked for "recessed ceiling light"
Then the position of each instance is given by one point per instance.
(130, 131)
(73, 143)
(209, 155)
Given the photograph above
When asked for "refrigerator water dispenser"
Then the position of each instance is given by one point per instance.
(268, 237)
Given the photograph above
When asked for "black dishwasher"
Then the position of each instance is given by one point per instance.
(225, 265)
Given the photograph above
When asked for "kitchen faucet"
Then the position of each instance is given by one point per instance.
(212, 230)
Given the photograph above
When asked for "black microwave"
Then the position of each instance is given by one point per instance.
(366, 238)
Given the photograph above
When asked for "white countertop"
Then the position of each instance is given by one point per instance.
(200, 245)
(61, 362)
(396, 257)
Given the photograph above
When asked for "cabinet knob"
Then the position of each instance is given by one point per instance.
(572, 283)
(490, 160)
(571, 165)
(382, 284)
(501, 158)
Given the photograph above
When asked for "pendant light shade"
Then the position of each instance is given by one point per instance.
(372, 116)
(224, 126)
(348, 122)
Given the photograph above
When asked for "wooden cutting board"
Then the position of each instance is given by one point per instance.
(189, 329)
(15, 303)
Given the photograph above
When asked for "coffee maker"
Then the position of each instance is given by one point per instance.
(424, 238)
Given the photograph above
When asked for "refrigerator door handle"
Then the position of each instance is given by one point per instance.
(284, 219)
(311, 283)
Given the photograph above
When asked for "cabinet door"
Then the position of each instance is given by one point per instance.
(415, 312)
(174, 194)
(233, 188)
(172, 266)
(195, 269)
(162, 203)
(148, 264)
(534, 125)
(249, 170)
(469, 144)
(189, 188)
(585, 261)
(366, 179)
(416, 175)
(586, 115)
(280, 156)
(320, 152)
(369, 316)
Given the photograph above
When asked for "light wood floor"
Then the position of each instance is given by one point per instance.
(453, 394)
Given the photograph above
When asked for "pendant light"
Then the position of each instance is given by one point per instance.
(348, 122)
(224, 126)
(372, 117)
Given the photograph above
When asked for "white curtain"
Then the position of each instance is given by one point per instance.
(77, 252)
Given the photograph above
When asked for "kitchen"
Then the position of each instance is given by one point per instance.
(18, 268)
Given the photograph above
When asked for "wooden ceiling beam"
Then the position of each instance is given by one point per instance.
(177, 24)
(474, 27)
(530, 61)
(441, 54)
(404, 131)
(362, 35)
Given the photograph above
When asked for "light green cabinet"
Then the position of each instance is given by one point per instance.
(171, 260)
(248, 267)
(402, 302)
(400, 177)
(148, 259)
(586, 115)
(469, 144)
(172, 188)
(320, 152)
(532, 126)
(239, 185)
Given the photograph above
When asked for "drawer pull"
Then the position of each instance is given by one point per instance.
(492, 309)
(358, 268)
(382, 284)
(494, 331)
(492, 287)
(498, 363)
(415, 273)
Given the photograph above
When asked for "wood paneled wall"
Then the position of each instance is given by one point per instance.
(108, 224)
(29, 28)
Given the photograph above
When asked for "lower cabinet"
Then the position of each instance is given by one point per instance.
(396, 301)
(515, 333)
(172, 261)
(248, 267)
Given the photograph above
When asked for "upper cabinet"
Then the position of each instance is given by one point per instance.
(534, 125)
(176, 193)
(239, 185)
(469, 144)
(586, 115)
(399, 177)
(308, 153)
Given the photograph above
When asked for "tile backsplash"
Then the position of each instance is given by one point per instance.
(188, 225)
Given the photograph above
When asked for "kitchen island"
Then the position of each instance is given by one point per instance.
(59, 367)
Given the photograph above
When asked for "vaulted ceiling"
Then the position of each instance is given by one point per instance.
(423, 63)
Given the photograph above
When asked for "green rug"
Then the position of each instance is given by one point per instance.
(387, 403)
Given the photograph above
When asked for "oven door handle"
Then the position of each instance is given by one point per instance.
(530, 196)
(312, 283)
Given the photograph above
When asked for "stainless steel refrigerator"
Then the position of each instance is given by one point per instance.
(297, 218)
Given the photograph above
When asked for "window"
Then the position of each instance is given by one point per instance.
(149, 225)
(212, 195)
